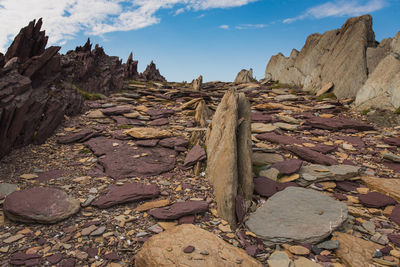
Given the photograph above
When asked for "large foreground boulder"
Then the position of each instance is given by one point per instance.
(337, 56)
(297, 215)
(168, 249)
(40, 205)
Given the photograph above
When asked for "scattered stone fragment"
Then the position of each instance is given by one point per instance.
(311, 155)
(390, 187)
(258, 127)
(179, 209)
(376, 200)
(288, 167)
(276, 222)
(6, 189)
(330, 245)
(98, 231)
(128, 192)
(299, 250)
(219, 253)
(112, 111)
(80, 136)
(196, 154)
(279, 259)
(40, 205)
(188, 249)
(88, 230)
(391, 157)
(148, 133)
(260, 158)
(319, 173)
(152, 204)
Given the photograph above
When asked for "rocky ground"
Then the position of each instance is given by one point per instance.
(298, 141)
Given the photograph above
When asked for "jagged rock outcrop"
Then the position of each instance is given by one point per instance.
(32, 99)
(244, 76)
(197, 83)
(382, 88)
(130, 68)
(229, 145)
(151, 73)
(337, 56)
(93, 70)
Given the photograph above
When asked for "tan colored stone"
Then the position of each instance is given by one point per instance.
(358, 212)
(244, 149)
(303, 262)
(197, 83)
(229, 145)
(363, 190)
(259, 127)
(148, 133)
(354, 251)
(152, 205)
(167, 225)
(96, 114)
(390, 187)
(299, 250)
(29, 176)
(325, 89)
(132, 115)
(155, 253)
(13, 238)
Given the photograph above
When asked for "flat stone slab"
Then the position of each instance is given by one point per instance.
(116, 110)
(320, 173)
(390, 187)
(179, 209)
(80, 136)
(288, 167)
(121, 160)
(337, 124)
(40, 205)
(297, 215)
(128, 192)
(261, 159)
(196, 154)
(311, 155)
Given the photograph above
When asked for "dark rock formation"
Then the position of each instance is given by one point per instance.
(151, 73)
(93, 70)
(33, 99)
(130, 68)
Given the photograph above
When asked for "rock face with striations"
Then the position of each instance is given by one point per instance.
(338, 56)
(229, 145)
(93, 70)
(382, 89)
(151, 73)
(33, 101)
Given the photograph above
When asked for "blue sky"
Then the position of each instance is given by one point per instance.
(186, 38)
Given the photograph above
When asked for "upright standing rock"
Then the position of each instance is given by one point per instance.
(244, 76)
(197, 83)
(151, 73)
(229, 156)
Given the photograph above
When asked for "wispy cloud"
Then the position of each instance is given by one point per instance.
(225, 27)
(64, 19)
(340, 8)
(251, 26)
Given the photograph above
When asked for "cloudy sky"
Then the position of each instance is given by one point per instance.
(185, 38)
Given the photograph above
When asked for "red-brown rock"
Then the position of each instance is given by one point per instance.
(393, 141)
(288, 167)
(311, 155)
(179, 209)
(116, 111)
(151, 73)
(40, 205)
(128, 192)
(124, 161)
(21, 258)
(196, 154)
(336, 124)
(395, 216)
(265, 187)
(173, 142)
(80, 136)
(376, 200)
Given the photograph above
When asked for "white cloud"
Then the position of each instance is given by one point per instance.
(64, 19)
(340, 8)
(225, 27)
(251, 26)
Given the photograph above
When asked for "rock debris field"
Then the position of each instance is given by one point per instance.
(127, 182)
(101, 165)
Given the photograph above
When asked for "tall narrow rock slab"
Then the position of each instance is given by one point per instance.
(222, 155)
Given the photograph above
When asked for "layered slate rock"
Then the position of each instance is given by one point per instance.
(320, 173)
(311, 155)
(216, 252)
(40, 205)
(267, 187)
(222, 150)
(336, 124)
(197, 83)
(337, 56)
(80, 136)
(354, 251)
(297, 215)
(245, 76)
(130, 68)
(179, 209)
(129, 192)
(121, 160)
(148, 133)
